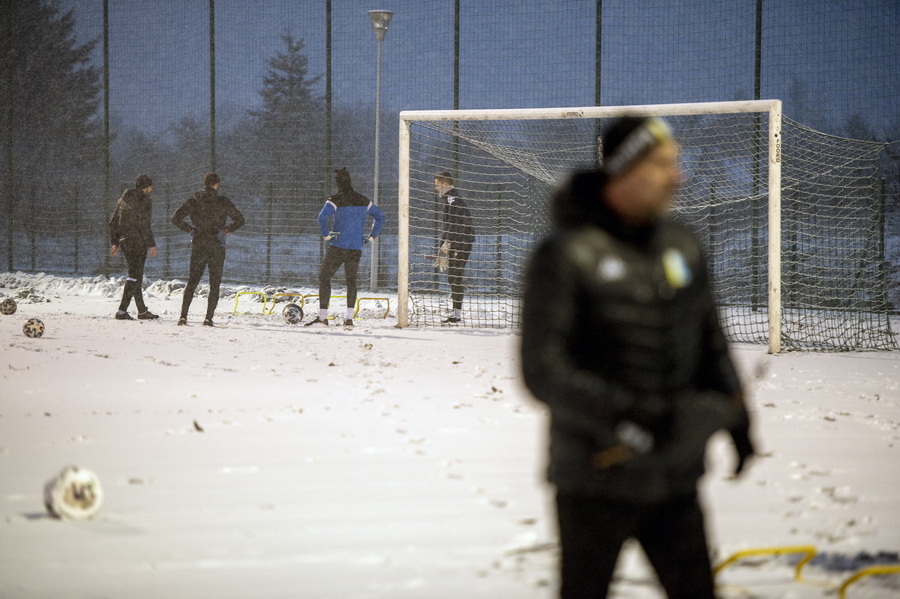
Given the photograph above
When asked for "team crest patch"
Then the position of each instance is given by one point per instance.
(677, 272)
(611, 268)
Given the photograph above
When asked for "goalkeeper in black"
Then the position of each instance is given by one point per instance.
(621, 339)
(456, 241)
(209, 212)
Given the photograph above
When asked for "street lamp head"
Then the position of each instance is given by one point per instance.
(380, 21)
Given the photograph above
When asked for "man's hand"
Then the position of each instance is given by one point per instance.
(368, 239)
(153, 252)
(114, 251)
(331, 235)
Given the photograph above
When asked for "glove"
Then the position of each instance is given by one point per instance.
(332, 235)
(442, 262)
(743, 446)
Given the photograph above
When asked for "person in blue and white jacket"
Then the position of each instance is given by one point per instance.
(350, 210)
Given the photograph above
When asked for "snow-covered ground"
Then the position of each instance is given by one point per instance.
(259, 459)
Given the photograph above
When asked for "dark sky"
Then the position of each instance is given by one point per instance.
(826, 59)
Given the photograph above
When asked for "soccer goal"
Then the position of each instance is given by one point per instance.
(791, 227)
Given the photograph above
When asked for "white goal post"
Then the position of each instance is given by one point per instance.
(771, 108)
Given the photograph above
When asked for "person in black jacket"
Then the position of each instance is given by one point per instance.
(130, 231)
(621, 339)
(456, 241)
(209, 213)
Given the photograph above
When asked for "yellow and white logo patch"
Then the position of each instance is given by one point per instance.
(677, 272)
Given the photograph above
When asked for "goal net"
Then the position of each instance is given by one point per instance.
(791, 219)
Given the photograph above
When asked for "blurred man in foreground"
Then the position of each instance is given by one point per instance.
(622, 340)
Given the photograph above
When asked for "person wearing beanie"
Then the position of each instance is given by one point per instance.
(621, 339)
(130, 232)
(346, 237)
(209, 213)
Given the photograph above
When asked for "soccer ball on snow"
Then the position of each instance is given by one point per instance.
(74, 494)
(33, 328)
(292, 314)
(8, 306)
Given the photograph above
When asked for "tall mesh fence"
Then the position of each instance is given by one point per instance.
(276, 95)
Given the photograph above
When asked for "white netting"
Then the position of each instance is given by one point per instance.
(832, 247)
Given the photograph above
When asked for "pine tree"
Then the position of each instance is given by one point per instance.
(49, 88)
(288, 133)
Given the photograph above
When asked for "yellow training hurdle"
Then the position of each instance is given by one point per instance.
(277, 295)
(870, 571)
(809, 550)
(303, 297)
(237, 298)
(358, 300)
(386, 311)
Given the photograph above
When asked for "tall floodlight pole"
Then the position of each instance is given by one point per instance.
(380, 21)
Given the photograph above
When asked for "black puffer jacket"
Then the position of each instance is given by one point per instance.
(619, 326)
(208, 212)
(130, 221)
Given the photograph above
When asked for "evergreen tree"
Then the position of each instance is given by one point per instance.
(49, 89)
(288, 133)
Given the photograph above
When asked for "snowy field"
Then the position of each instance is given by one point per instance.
(265, 460)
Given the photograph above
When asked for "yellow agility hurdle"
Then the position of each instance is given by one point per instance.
(870, 571)
(809, 550)
(237, 298)
(277, 295)
(387, 310)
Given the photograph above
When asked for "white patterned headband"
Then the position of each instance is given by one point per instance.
(651, 132)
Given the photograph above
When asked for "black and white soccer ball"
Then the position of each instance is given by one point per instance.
(8, 306)
(292, 314)
(33, 328)
(73, 494)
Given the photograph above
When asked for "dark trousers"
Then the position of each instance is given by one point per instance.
(205, 254)
(456, 266)
(593, 529)
(334, 258)
(135, 257)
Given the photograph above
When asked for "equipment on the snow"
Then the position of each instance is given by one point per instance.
(74, 494)
(292, 314)
(33, 328)
(8, 306)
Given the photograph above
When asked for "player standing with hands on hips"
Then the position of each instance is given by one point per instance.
(621, 339)
(350, 210)
(209, 213)
(456, 241)
(130, 231)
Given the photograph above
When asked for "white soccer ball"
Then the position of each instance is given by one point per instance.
(74, 494)
(8, 306)
(292, 314)
(33, 328)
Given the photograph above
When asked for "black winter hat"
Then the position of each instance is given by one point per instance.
(143, 182)
(210, 179)
(628, 138)
(342, 178)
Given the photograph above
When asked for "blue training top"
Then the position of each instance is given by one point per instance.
(350, 210)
